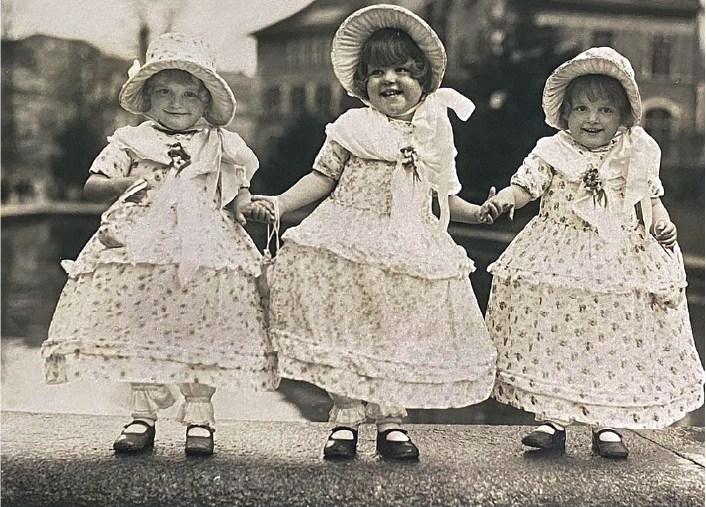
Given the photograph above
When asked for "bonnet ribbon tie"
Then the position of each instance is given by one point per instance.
(428, 149)
(180, 201)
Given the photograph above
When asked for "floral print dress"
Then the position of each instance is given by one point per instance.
(371, 300)
(584, 332)
(122, 320)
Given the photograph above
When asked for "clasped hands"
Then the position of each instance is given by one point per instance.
(260, 208)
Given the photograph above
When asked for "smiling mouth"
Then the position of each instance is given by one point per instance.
(391, 93)
(593, 131)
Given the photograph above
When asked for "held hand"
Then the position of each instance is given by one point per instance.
(487, 212)
(260, 209)
(495, 206)
(240, 210)
(665, 232)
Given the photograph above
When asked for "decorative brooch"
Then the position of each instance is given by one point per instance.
(594, 185)
(409, 161)
(180, 159)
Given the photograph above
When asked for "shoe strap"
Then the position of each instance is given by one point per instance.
(212, 430)
(143, 423)
(387, 432)
(551, 425)
(605, 430)
(344, 428)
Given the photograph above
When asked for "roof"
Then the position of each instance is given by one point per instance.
(320, 15)
(663, 8)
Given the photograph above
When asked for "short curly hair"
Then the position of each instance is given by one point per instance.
(390, 47)
(148, 87)
(597, 86)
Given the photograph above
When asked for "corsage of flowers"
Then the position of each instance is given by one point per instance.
(409, 161)
(180, 159)
(594, 185)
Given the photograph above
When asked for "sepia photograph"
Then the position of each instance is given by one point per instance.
(352, 253)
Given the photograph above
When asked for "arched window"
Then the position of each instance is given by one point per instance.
(658, 123)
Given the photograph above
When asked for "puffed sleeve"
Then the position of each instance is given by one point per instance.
(114, 162)
(654, 182)
(454, 182)
(534, 175)
(331, 159)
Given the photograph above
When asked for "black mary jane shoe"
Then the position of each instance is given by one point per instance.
(542, 440)
(610, 450)
(391, 449)
(199, 446)
(339, 448)
(135, 442)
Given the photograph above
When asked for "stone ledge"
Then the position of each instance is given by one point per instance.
(60, 460)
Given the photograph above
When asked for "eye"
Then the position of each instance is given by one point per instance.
(607, 110)
(402, 70)
(162, 91)
(375, 72)
(580, 109)
(190, 95)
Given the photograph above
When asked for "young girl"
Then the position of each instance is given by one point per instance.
(370, 297)
(166, 291)
(587, 308)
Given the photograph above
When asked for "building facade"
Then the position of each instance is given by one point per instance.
(294, 73)
(663, 40)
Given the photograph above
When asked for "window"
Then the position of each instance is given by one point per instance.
(298, 100)
(658, 123)
(661, 56)
(603, 38)
(273, 100)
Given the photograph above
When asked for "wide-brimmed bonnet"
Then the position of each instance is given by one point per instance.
(180, 52)
(359, 26)
(603, 60)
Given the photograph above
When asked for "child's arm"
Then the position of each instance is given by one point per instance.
(509, 199)
(100, 187)
(663, 229)
(310, 188)
(464, 211)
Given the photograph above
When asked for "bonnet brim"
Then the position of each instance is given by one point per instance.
(180, 52)
(602, 60)
(359, 26)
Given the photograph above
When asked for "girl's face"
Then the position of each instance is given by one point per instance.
(393, 91)
(177, 100)
(592, 123)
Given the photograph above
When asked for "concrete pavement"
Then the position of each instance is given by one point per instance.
(54, 460)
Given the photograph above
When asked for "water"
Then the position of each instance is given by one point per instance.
(32, 279)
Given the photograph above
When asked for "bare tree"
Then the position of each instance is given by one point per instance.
(157, 16)
(6, 16)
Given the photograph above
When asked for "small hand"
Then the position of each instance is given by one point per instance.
(495, 206)
(260, 209)
(488, 213)
(665, 232)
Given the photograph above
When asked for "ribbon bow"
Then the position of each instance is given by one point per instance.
(134, 69)
(180, 159)
(594, 184)
(409, 161)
